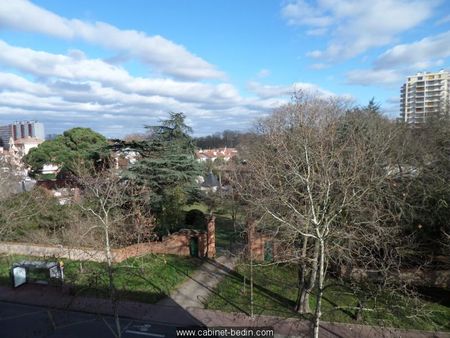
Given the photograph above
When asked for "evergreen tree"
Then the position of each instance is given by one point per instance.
(75, 147)
(168, 167)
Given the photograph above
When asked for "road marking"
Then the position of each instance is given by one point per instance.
(21, 315)
(142, 327)
(126, 327)
(145, 333)
(76, 323)
(51, 319)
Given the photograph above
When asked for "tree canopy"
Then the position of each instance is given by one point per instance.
(318, 182)
(74, 147)
(168, 167)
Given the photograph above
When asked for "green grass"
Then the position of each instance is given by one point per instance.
(146, 279)
(275, 294)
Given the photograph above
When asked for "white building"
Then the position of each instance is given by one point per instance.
(424, 95)
(24, 145)
(50, 169)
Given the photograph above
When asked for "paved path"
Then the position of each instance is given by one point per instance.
(194, 292)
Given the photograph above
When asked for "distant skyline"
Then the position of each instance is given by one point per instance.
(115, 66)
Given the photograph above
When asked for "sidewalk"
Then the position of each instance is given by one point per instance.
(293, 327)
(194, 292)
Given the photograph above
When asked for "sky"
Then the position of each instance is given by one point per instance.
(116, 66)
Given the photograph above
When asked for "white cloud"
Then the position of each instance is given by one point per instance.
(302, 13)
(163, 55)
(48, 65)
(10, 81)
(420, 54)
(371, 77)
(357, 25)
(393, 66)
(319, 66)
(263, 73)
(443, 20)
(317, 31)
(276, 91)
(74, 90)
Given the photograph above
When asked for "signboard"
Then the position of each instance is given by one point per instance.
(19, 276)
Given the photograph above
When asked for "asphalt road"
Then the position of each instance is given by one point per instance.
(23, 321)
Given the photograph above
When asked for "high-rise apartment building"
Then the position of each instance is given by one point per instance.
(21, 130)
(424, 95)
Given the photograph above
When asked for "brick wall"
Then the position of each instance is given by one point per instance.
(255, 242)
(258, 243)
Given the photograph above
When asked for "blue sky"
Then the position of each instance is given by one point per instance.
(115, 66)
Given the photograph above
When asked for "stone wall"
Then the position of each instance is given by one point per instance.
(175, 244)
(256, 246)
(27, 249)
(418, 277)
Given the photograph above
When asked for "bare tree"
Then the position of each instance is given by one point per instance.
(15, 207)
(8, 181)
(117, 214)
(322, 182)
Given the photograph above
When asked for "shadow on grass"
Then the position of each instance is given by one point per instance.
(273, 296)
(122, 295)
(435, 295)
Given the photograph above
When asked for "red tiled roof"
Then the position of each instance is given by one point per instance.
(218, 152)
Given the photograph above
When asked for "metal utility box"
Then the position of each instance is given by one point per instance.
(39, 272)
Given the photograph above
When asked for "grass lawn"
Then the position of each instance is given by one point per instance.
(146, 279)
(275, 294)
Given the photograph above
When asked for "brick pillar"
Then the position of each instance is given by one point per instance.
(255, 242)
(251, 229)
(202, 244)
(76, 195)
(211, 237)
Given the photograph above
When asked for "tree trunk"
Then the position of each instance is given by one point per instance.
(112, 288)
(306, 278)
(359, 311)
(321, 271)
(302, 305)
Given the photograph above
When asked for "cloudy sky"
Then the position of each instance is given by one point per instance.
(117, 65)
